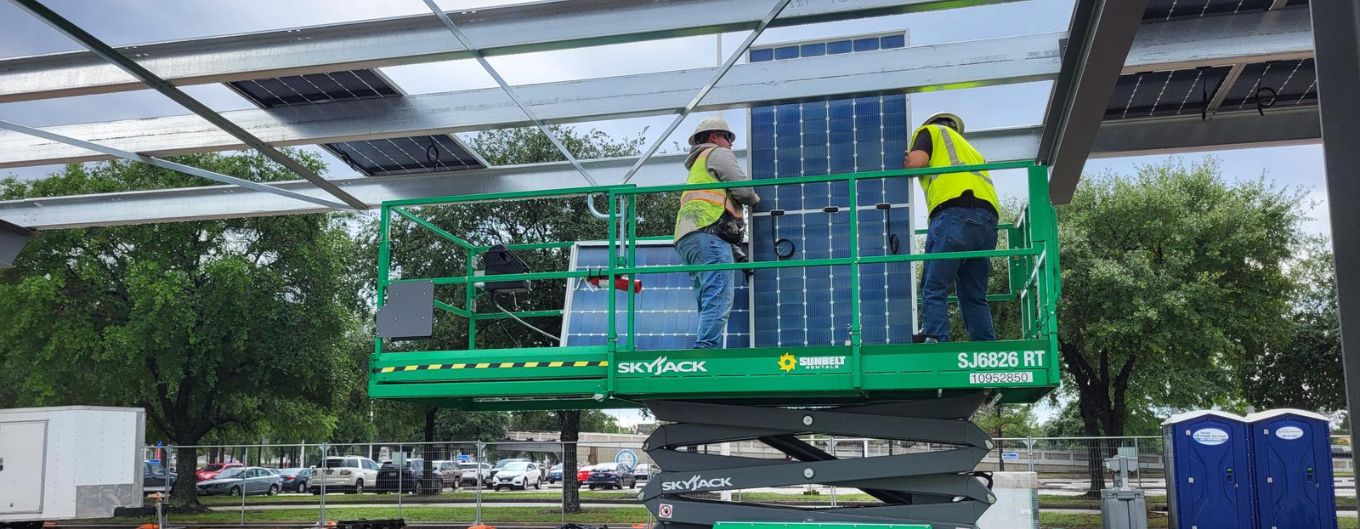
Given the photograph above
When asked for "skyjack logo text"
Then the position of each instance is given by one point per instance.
(695, 483)
(661, 366)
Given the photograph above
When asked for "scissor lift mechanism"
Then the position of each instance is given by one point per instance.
(923, 393)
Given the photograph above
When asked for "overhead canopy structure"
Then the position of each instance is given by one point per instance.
(1129, 78)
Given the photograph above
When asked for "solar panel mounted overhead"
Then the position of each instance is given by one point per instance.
(667, 314)
(810, 306)
(392, 156)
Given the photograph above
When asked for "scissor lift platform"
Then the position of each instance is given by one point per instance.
(616, 374)
(916, 392)
(591, 377)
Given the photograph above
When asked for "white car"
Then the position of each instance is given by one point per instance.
(642, 472)
(347, 473)
(518, 475)
(471, 471)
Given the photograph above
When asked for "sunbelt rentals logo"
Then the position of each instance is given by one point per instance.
(695, 482)
(788, 362)
(663, 365)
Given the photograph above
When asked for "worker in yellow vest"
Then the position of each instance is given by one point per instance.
(963, 215)
(711, 222)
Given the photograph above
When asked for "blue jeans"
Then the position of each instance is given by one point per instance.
(713, 289)
(958, 229)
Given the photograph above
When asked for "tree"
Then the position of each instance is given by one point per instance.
(237, 325)
(1302, 369)
(1170, 279)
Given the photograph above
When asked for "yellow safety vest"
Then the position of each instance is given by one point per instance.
(948, 148)
(703, 207)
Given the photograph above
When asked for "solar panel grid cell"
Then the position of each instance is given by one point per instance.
(372, 157)
(1293, 83)
(666, 309)
(1164, 93)
(811, 306)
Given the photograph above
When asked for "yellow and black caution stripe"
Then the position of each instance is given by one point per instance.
(494, 365)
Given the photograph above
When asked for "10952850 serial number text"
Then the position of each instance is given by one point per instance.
(1001, 378)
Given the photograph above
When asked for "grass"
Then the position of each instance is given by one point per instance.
(538, 515)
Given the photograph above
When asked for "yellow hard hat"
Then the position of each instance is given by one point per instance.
(710, 124)
(945, 116)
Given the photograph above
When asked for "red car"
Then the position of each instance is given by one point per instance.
(583, 474)
(211, 470)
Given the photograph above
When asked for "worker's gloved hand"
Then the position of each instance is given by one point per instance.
(739, 255)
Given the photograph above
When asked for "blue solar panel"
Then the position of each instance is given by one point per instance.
(418, 154)
(810, 306)
(667, 312)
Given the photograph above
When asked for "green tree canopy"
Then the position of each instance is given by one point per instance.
(1301, 368)
(237, 325)
(1171, 278)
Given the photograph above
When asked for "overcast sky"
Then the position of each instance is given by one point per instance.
(124, 22)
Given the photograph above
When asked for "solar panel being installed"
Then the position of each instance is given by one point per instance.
(420, 154)
(666, 310)
(794, 306)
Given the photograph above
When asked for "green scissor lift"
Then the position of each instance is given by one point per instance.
(915, 392)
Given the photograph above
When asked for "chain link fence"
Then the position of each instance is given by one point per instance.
(512, 483)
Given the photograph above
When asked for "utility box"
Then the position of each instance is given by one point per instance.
(69, 462)
(1208, 471)
(1292, 458)
(1123, 507)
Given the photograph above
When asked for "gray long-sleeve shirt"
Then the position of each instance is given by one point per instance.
(722, 164)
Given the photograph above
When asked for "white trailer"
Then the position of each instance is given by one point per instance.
(69, 462)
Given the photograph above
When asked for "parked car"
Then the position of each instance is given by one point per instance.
(234, 481)
(154, 477)
(643, 472)
(610, 476)
(584, 473)
(555, 474)
(468, 473)
(295, 479)
(211, 470)
(502, 463)
(518, 475)
(347, 473)
(449, 472)
(406, 478)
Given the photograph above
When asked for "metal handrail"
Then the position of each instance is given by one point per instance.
(1033, 229)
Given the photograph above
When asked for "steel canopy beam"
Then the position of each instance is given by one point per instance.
(1102, 33)
(165, 164)
(1336, 25)
(111, 55)
(914, 69)
(1221, 40)
(533, 27)
(223, 202)
(1232, 130)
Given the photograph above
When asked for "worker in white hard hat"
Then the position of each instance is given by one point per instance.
(711, 223)
(963, 216)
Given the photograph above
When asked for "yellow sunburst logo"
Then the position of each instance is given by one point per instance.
(787, 362)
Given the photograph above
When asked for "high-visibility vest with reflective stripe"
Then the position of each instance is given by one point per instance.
(948, 148)
(704, 206)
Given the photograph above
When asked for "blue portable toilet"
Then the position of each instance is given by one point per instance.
(1292, 461)
(1208, 471)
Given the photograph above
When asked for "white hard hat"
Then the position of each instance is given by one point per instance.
(958, 121)
(710, 124)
